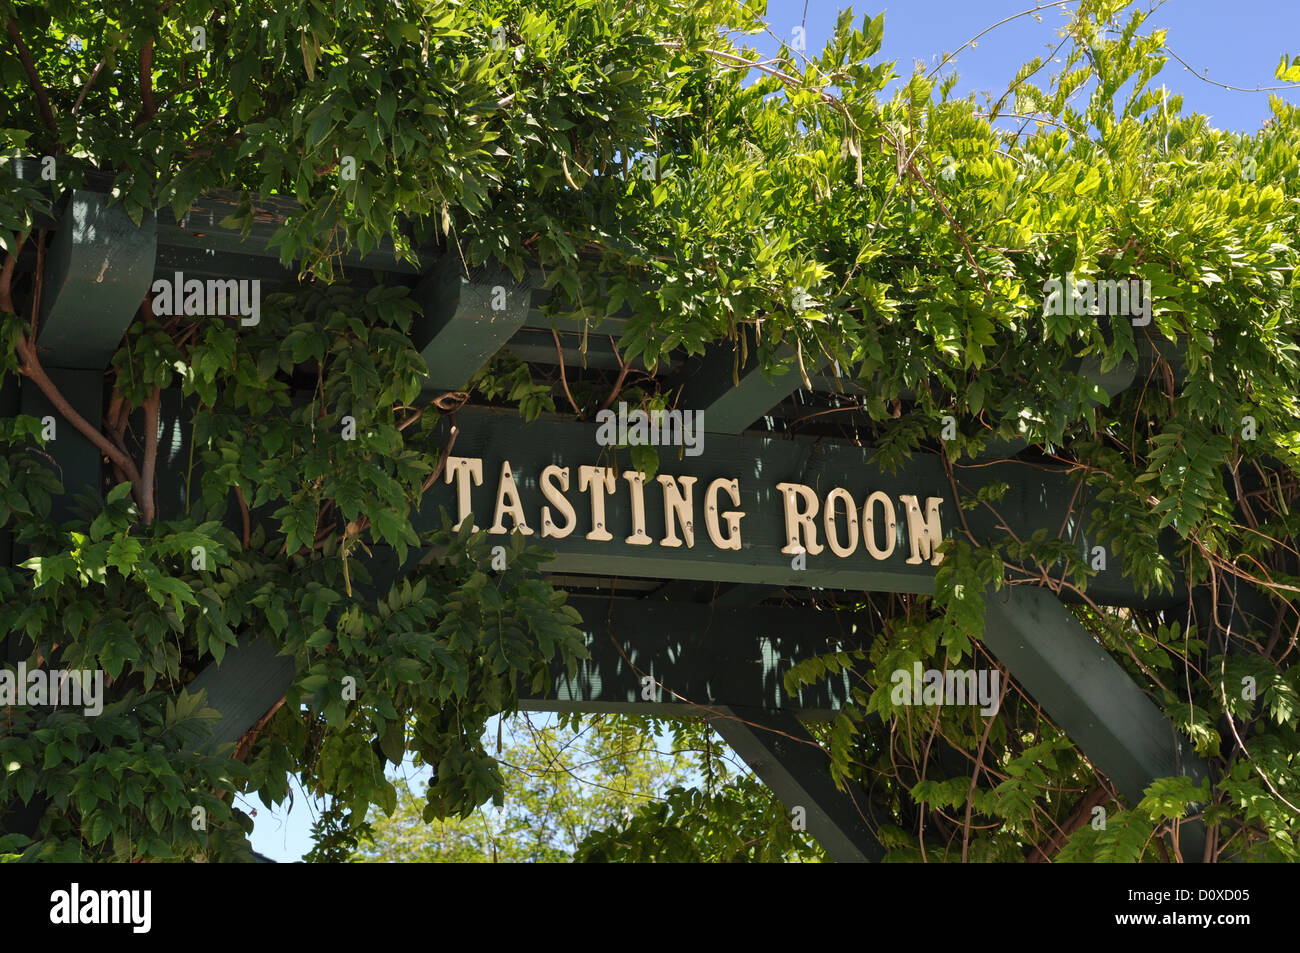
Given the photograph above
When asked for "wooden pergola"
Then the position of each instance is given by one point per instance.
(713, 630)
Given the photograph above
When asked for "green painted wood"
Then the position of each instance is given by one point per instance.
(743, 594)
(1038, 497)
(589, 321)
(698, 657)
(249, 680)
(795, 767)
(201, 228)
(465, 319)
(1085, 691)
(538, 347)
(97, 271)
(732, 394)
(1240, 610)
(99, 267)
(97, 259)
(204, 263)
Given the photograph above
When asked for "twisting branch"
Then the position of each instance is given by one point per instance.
(451, 401)
(146, 81)
(448, 403)
(249, 738)
(119, 415)
(243, 510)
(30, 366)
(33, 78)
(1036, 9)
(162, 100)
(94, 75)
(432, 478)
(150, 453)
(974, 778)
(564, 380)
(624, 367)
(38, 282)
(957, 229)
(1082, 814)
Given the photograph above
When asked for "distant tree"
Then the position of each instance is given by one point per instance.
(561, 783)
(598, 788)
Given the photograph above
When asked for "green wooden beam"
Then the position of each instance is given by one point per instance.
(733, 394)
(204, 263)
(727, 664)
(200, 228)
(249, 680)
(96, 274)
(795, 767)
(537, 346)
(587, 321)
(99, 267)
(466, 319)
(1094, 701)
(1241, 609)
(697, 658)
(742, 594)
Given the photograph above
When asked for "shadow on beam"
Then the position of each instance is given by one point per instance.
(698, 657)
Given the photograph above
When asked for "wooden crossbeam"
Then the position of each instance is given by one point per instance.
(99, 267)
(465, 319)
(1085, 691)
(249, 680)
(96, 274)
(794, 766)
(673, 658)
(734, 394)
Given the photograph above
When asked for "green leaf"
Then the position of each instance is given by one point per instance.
(387, 107)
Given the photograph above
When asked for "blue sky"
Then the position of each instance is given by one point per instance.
(284, 834)
(1237, 44)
